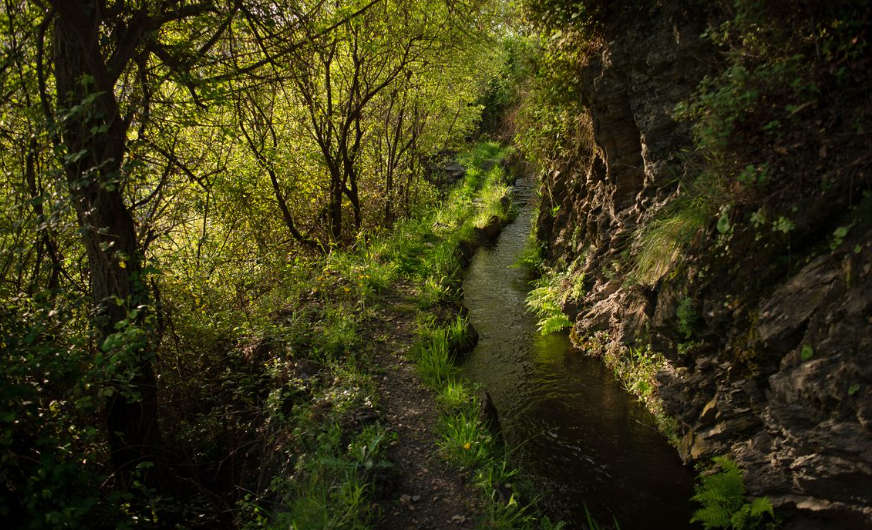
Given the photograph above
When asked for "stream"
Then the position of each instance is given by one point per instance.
(575, 433)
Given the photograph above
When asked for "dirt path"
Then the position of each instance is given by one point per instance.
(421, 491)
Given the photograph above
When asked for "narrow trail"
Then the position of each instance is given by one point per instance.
(421, 491)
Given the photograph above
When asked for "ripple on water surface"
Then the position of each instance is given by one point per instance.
(579, 436)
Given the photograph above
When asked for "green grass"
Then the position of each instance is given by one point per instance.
(455, 396)
(660, 247)
(433, 360)
(338, 331)
(330, 488)
(457, 332)
(463, 440)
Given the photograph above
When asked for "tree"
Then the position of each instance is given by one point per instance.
(337, 82)
(103, 73)
(256, 120)
(159, 152)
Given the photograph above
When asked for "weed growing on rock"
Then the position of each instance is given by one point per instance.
(636, 369)
(724, 505)
(660, 246)
(687, 317)
(550, 293)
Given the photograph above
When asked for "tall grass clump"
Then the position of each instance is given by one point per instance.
(433, 359)
(660, 246)
(494, 199)
(459, 337)
(463, 440)
(331, 487)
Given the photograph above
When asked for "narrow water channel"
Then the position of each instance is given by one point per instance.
(577, 435)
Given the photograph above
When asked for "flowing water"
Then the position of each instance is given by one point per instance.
(577, 435)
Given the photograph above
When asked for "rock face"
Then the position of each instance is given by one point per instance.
(446, 173)
(776, 365)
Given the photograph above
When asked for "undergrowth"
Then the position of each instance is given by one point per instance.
(724, 504)
(331, 487)
(328, 466)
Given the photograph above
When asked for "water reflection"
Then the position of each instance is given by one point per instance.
(578, 435)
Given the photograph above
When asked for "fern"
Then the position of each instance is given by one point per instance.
(554, 323)
(712, 516)
(545, 302)
(722, 496)
(760, 506)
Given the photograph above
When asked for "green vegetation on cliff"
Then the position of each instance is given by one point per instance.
(704, 174)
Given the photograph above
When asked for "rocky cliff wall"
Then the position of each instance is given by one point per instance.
(768, 338)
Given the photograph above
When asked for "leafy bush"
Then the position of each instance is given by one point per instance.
(52, 390)
(687, 317)
(784, 63)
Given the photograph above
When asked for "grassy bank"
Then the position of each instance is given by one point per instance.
(313, 419)
(465, 439)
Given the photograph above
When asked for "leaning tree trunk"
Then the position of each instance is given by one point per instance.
(93, 136)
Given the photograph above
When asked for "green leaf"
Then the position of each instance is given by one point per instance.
(761, 505)
(783, 225)
(807, 352)
(853, 389)
(724, 223)
(841, 232)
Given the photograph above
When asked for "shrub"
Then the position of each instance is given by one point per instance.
(687, 317)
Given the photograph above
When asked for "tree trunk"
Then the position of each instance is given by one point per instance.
(335, 205)
(93, 134)
(286, 213)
